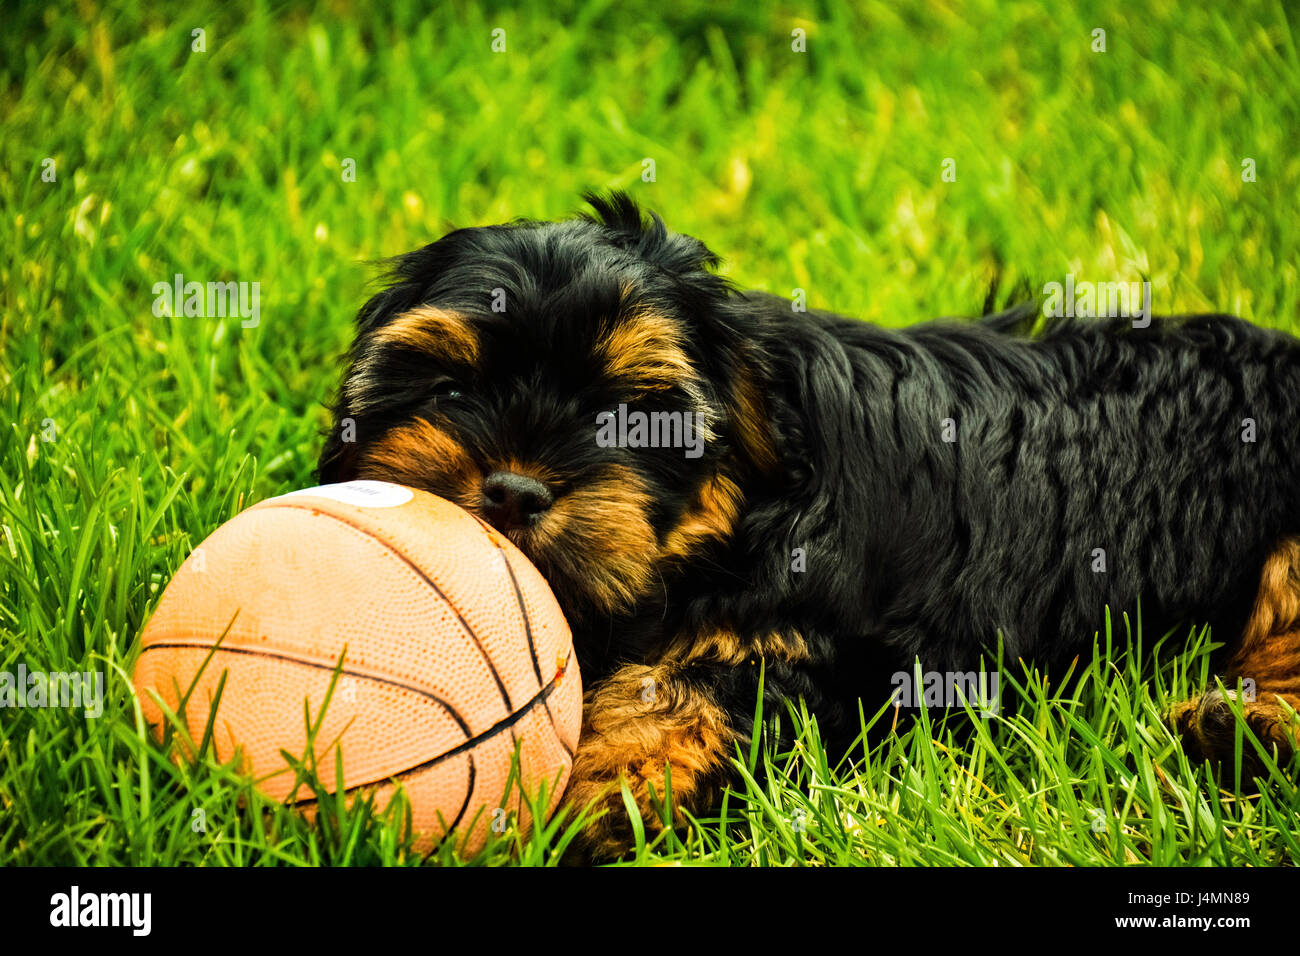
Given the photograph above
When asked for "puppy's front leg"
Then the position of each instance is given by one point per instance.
(640, 721)
(684, 711)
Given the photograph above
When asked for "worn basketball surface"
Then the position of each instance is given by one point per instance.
(453, 652)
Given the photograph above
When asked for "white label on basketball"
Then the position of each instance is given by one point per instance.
(362, 493)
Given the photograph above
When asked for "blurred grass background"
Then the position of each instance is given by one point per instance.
(819, 170)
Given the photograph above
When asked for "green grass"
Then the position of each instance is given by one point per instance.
(820, 171)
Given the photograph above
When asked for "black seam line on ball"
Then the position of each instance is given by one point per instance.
(519, 597)
(464, 804)
(529, 630)
(532, 651)
(505, 696)
(254, 652)
(499, 727)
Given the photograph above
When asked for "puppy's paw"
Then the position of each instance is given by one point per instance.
(646, 727)
(1207, 726)
(610, 834)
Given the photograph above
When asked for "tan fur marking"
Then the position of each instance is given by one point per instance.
(435, 331)
(411, 453)
(710, 517)
(1270, 646)
(645, 348)
(727, 647)
(750, 423)
(598, 534)
(531, 469)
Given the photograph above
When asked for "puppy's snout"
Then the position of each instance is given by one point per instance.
(514, 501)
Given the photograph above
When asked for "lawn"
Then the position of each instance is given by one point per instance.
(890, 170)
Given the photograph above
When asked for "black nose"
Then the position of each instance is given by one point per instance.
(514, 501)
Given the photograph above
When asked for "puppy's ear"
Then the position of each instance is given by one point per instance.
(338, 458)
(744, 364)
(408, 280)
(645, 233)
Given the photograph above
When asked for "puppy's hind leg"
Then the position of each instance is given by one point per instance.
(1267, 661)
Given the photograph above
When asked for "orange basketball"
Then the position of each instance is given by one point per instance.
(453, 650)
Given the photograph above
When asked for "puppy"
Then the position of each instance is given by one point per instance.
(718, 486)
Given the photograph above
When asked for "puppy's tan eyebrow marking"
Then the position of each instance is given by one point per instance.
(646, 347)
(434, 331)
(438, 333)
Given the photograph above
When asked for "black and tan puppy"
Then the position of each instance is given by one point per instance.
(829, 498)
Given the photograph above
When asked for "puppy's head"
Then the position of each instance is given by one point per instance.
(588, 387)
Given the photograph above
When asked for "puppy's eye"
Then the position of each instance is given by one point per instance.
(446, 391)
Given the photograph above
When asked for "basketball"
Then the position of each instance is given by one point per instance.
(453, 652)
